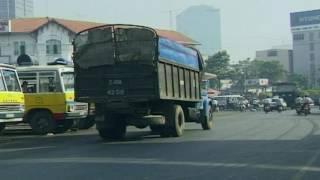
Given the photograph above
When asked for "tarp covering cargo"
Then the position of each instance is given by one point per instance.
(107, 45)
(177, 53)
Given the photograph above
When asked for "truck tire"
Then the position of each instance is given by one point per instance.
(2, 127)
(86, 123)
(175, 122)
(42, 123)
(63, 126)
(207, 122)
(115, 130)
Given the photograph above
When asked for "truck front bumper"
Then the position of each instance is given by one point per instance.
(8, 117)
(76, 115)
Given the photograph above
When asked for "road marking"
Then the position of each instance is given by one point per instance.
(24, 149)
(305, 168)
(160, 162)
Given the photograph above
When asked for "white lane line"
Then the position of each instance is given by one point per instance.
(24, 149)
(305, 168)
(161, 162)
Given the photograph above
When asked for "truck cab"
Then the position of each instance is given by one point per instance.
(11, 97)
(49, 98)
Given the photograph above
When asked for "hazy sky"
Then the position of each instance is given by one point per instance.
(247, 25)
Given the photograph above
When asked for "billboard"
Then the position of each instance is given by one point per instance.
(256, 82)
(4, 26)
(305, 18)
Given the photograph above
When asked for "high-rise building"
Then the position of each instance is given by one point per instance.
(283, 56)
(203, 24)
(11, 9)
(305, 28)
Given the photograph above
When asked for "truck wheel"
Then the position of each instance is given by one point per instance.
(175, 122)
(207, 121)
(42, 123)
(86, 123)
(63, 126)
(2, 127)
(114, 130)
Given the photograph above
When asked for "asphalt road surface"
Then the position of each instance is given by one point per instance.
(248, 145)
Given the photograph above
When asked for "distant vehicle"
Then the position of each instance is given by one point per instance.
(11, 97)
(287, 91)
(136, 77)
(278, 104)
(229, 101)
(49, 98)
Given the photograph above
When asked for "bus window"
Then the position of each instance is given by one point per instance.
(11, 80)
(2, 86)
(29, 82)
(48, 82)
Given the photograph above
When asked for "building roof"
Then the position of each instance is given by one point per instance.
(26, 25)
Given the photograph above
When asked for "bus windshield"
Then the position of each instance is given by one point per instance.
(11, 81)
(68, 81)
(108, 45)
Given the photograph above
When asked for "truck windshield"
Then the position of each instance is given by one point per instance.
(11, 81)
(68, 81)
(108, 45)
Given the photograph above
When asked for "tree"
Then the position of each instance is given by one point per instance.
(218, 64)
(300, 80)
(271, 70)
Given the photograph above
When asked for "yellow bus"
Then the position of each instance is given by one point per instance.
(11, 97)
(49, 98)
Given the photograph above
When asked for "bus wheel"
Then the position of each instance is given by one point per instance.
(207, 122)
(2, 127)
(113, 128)
(42, 122)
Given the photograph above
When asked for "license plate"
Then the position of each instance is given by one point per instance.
(9, 115)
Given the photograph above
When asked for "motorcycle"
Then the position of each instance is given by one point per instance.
(303, 108)
(267, 108)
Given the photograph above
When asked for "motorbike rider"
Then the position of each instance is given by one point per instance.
(307, 101)
(299, 101)
(267, 102)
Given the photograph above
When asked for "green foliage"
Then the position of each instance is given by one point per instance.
(218, 64)
(300, 80)
(311, 92)
(271, 70)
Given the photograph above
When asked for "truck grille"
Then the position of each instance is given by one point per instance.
(81, 107)
(9, 108)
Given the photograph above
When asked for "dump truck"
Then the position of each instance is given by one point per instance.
(135, 77)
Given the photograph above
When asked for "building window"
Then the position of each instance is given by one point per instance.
(16, 48)
(53, 47)
(298, 37)
(311, 46)
(19, 48)
(311, 36)
(312, 57)
(272, 53)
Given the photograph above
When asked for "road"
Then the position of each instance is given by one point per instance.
(249, 145)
